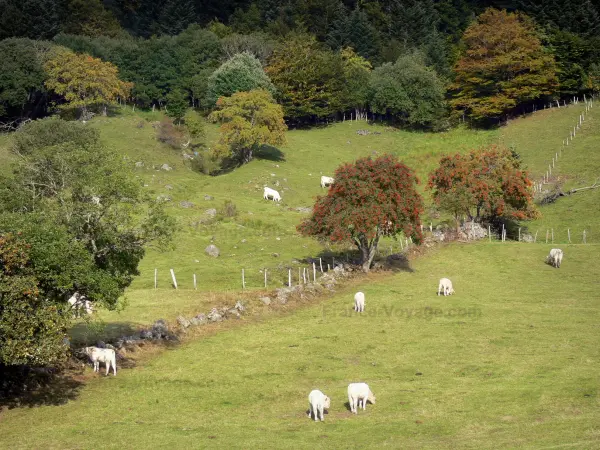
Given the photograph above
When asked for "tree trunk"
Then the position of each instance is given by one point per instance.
(367, 251)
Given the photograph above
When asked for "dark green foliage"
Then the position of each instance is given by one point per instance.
(177, 104)
(22, 92)
(34, 19)
(581, 17)
(354, 30)
(409, 91)
(572, 54)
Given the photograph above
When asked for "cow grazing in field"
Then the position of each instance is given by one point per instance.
(271, 194)
(102, 355)
(79, 304)
(357, 393)
(445, 286)
(555, 257)
(326, 181)
(359, 302)
(317, 403)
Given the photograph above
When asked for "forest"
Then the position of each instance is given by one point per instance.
(422, 64)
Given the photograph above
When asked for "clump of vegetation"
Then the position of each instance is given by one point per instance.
(229, 209)
(170, 134)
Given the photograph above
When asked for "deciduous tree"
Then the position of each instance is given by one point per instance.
(370, 198)
(485, 184)
(84, 81)
(249, 120)
(504, 65)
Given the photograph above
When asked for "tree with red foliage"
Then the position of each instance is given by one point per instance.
(488, 183)
(370, 198)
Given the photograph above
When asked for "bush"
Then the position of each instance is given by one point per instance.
(169, 134)
(205, 163)
(228, 209)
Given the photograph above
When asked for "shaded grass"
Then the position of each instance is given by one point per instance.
(510, 360)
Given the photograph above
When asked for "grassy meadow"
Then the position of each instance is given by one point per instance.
(511, 360)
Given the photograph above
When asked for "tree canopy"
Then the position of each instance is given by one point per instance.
(485, 184)
(504, 64)
(370, 198)
(249, 120)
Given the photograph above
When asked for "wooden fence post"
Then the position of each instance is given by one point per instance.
(155, 278)
(174, 279)
(299, 276)
(195, 288)
(502, 232)
(584, 237)
(519, 234)
(243, 280)
(290, 277)
(321, 265)
(314, 272)
(535, 237)
(569, 234)
(547, 233)
(553, 235)
(490, 233)
(265, 277)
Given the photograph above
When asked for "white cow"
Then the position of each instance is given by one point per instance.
(79, 303)
(318, 402)
(359, 302)
(271, 193)
(357, 393)
(555, 257)
(104, 355)
(326, 181)
(445, 286)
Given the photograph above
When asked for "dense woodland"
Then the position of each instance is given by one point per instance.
(417, 63)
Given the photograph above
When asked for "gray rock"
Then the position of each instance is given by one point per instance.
(139, 164)
(233, 312)
(186, 204)
(183, 322)
(208, 197)
(265, 300)
(166, 167)
(194, 322)
(110, 346)
(146, 334)
(474, 231)
(201, 318)
(304, 209)
(212, 212)
(101, 344)
(243, 240)
(160, 329)
(164, 198)
(239, 306)
(214, 315)
(169, 187)
(119, 344)
(275, 255)
(212, 250)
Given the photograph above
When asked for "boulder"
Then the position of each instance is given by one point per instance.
(166, 167)
(474, 231)
(146, 334)
(265, 300)
(214, 315)
(239, 306)
(186, 204)
(169, 187)
(160, 329)
(212, 250)
(233, 312)
(212, 212)
(101, 344)
(139, 164)
(208, 197)
(183, 322)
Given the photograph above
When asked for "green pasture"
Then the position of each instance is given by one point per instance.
(511, 360)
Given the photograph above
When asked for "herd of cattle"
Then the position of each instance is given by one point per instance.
(272, 194)
(358, 393)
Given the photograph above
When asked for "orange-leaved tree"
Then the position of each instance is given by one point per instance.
(485, 184)
(503, 65)
(249, 120)
(84, 81)
(370, 198)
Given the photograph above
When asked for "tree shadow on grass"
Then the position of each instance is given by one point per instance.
(83, 334)
(23, 386)
(269, 153)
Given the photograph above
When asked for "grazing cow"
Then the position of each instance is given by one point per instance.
(357, 393)
(359, 302)
(318, 402)
(555, 257)
(326, 181)
(104, 355)
(271, 193)
(445, 286)
(79, 303)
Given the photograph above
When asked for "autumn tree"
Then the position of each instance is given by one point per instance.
(370, 198)
(249, 120)
(485, 184)
(84, 81)
(504, 65)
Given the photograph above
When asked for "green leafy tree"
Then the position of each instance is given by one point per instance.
(357, 75)
(504, 65)
(176, 16)
(409, 91)
(354, 30)
(241, 73)
(87, 189)
(486, 184)
(84, 81)
(177, 104)
(22, 92)
(249, 120)
(307, 79)
(572, 54)
(90, 18)
(370, 198)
